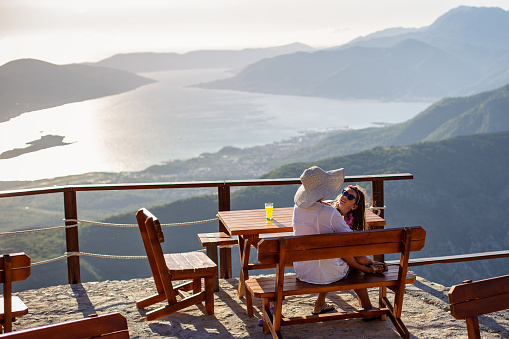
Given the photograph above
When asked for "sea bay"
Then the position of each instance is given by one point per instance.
(170, 120)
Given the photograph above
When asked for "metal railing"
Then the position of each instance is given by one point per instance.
(223, 190)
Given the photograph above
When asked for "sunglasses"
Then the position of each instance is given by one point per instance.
(348, 195)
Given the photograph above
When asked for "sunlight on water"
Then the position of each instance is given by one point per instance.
(167, 120)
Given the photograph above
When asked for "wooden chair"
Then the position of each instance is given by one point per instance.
(176, 266)
(471, 299)
(108, 326)
(13, 267)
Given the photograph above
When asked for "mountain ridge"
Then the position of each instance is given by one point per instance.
(231, 59)
(29, 84)
(388, 66)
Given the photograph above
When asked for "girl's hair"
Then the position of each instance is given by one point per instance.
(358, 214)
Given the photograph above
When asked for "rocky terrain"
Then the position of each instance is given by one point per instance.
(426, 313)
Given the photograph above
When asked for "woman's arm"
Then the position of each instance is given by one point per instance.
(353, 263)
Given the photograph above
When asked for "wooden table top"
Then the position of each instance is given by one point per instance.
(252, 222)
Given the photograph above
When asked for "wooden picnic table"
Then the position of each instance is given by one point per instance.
(250, 225)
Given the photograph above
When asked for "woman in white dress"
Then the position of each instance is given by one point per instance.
(312, 216)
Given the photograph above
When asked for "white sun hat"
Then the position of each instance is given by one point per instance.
(318, 184)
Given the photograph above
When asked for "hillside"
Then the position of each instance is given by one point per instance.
(29, 85)
(459, 193)
(463, 52)
(233, 59)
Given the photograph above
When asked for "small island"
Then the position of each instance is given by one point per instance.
(46, 141)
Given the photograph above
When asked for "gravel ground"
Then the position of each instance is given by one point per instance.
(426, 313)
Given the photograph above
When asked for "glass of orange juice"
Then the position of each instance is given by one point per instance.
(269, 207)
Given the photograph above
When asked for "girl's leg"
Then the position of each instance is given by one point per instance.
(364, 260)
(363, 296)
(320, 302)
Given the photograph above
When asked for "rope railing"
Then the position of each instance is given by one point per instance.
(79, 221)
(107, 256)
(136, 225)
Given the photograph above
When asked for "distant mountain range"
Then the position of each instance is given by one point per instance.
(232, 59)
(463, 52)
(29, 85)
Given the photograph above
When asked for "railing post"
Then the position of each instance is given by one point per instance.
(225, 254)
(377, 189)
(71, 236)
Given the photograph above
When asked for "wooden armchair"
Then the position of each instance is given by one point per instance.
(175, 266)
(472, 299)
(13, 267)
(107, 326)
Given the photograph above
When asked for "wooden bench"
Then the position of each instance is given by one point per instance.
(284, 251)
(108, 326)
(13, 267)
(211, 241)
(471, 299)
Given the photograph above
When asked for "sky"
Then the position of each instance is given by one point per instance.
(69, 31)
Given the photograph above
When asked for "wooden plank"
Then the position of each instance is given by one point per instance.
(252, 222)
(20, 267)
(347, 251)
(475, 307)
(113, 324)
(479, 289)
(351, 238)
(264, 287)
(219, 238)
(457, 258)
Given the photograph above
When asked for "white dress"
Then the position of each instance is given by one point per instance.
(317, 219)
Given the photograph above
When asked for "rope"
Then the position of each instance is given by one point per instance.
(100, 223)
(48, 261)
(107, 256)
(36, 230)
(377, 209)
(136, 225)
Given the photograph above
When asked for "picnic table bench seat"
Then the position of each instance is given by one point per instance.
(285, 250)
(106, 326)
(211, 241)
(472, 299)
(13, 267)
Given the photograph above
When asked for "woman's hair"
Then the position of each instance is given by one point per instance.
(358, 214)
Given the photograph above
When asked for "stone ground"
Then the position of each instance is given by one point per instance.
(425, 313)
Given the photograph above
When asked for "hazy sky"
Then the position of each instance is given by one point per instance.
(66, 31)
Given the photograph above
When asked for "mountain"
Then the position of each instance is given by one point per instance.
(463, 52)
(29, 85)
(459, 194)
(234, 59)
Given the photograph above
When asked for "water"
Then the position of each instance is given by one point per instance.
(169, 120)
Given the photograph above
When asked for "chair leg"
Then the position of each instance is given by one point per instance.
(196, 285)
(473, 328)
(209, 295)
(249, 304)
